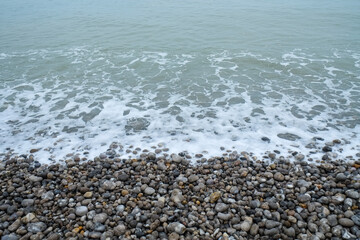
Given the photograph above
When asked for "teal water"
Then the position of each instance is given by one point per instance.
(193, 75)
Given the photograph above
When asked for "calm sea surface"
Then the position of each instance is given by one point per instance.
(195, 75)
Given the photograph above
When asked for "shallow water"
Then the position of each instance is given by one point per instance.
(75, 77)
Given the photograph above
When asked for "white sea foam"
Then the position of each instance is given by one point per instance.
(82, 99)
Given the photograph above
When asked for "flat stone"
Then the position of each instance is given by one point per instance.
(302, 183)
(36, 227)
(254, 229)
(356, 219)
(95, 235)
(14, 226)
(123, 177)
(271, 224)
(346, 222)
(11, 236)
(53, 236)
(48, 195)
(221, 207)
(224, 216)
(340, 177)
(271, 232)
(34, 178)
(352, 194)
(27, 202)
(176, 158)
(88, 195)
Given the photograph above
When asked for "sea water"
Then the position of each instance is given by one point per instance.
(193, 76)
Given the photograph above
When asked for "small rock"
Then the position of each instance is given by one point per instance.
(14, 226)
(28, 218)
(221, 207)
(289, 232)
(279, 177)
(245, 226)
(174, 236)
(27, 202)
(123, 177)
(36, 227)
(176, 196)
(214, 197)
(95, 235)
(88, 195)
(109, 185)
(81, 211)
(149, 191)
(271, 224)
(254, 229)
(34, 178)
(176, 227)
(193, 178)
(11, 236)
(100, 218)
(303, 198)
(352, 194)
(224, 216)
(327, 149)
(119, 230)
(340, 177)
(346, 222)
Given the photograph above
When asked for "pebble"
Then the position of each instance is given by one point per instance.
(176, 227)
(81, 211)
(303, 198)
(279, 177)
(36, 227)
(221, 207)
(224, 216)
(245, 226)
(346, 222)
(149, 191)
(100, 218)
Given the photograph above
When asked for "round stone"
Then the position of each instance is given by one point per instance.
(346, 222)
(221, 207)
(81, 211)
(149, 191)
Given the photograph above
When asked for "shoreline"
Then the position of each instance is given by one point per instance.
(318, 151)
(170, 198)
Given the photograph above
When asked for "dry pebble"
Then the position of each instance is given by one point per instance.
(165, 197)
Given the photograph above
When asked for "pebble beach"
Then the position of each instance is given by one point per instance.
(169, 197)
(179, 120)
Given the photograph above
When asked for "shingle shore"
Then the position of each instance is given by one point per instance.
(169, 198)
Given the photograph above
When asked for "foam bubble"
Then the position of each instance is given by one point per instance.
(82, 99)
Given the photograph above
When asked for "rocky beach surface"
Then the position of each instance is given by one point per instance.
(166, 196)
